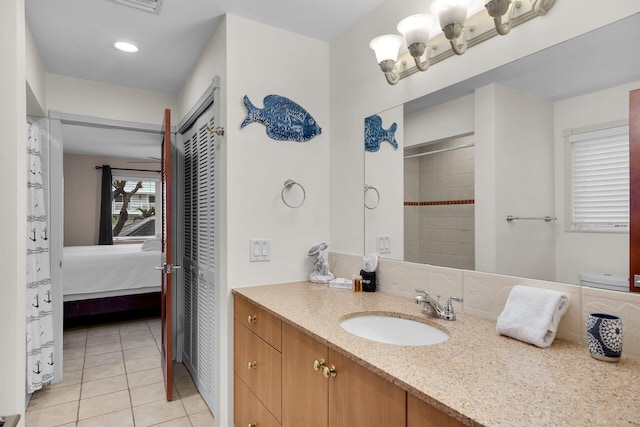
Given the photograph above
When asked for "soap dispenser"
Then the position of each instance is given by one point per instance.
(368, 272)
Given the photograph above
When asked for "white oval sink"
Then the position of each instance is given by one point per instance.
(393, 330)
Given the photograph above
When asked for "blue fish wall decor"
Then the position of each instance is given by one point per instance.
(374, 134)
(284, 119)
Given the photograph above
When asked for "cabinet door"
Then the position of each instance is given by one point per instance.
(421, 414)
(304, 390)
(358, 397)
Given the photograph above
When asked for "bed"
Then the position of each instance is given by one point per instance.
(107, 279)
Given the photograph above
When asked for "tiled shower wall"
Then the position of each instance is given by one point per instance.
(439, 205)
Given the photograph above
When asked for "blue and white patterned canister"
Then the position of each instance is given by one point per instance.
(604, 336)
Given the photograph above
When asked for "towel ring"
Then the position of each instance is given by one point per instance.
(367, 188)
(287, 185)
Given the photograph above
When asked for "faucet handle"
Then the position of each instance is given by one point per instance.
(448, 307)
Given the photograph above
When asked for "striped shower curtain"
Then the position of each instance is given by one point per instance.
(40, 361)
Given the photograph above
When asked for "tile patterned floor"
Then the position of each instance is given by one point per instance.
(112, 377)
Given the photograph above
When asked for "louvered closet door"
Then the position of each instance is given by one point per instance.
(189, 261)
(207, 248)
(200, 169)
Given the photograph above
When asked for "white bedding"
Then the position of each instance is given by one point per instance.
(109, 270)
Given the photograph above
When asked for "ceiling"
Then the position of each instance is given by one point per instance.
(111, 142)
(75, 37)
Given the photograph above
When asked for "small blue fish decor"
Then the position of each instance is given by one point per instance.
(374, 134)
(284, 119)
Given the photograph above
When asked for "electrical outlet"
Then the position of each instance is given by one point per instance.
(260, 250)
(383, 244)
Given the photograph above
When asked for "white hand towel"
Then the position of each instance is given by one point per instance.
(532, 315)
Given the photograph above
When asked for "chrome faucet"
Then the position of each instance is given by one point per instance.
(433, 308)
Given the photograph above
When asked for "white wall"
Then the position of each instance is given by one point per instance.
(13, 215)
(444, 121)
(257, 165)
(385, 171)
(212, 62)
(36, 99)
(358, 88)
(514, 176)
(96, 99)
(581, 251)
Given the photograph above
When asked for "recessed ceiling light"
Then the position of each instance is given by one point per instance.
(126, 47)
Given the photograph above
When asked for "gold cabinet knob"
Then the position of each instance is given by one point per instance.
(251, 425)
(329, 371)
(251, 319)
(251, 365)
(318, 364)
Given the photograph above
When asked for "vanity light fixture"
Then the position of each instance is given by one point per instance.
(126, 47)
(386, 48)
(464, 24)
(499, 8)
(452, 15)
(416, 31)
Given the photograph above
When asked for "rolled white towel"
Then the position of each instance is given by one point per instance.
(532, 315)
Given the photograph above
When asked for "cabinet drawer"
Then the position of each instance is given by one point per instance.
(265, 325)
(248, 410)
(260, 367)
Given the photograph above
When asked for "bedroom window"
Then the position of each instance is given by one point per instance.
(600, 180)
(134, 206)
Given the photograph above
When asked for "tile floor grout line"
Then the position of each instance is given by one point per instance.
(86, 338)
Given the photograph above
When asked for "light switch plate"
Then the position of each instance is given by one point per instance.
(383, 244)
(259, 250)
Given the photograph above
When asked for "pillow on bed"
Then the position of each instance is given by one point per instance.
(154, 244)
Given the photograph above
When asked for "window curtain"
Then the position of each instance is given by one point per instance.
(40, 362)
(106, 234)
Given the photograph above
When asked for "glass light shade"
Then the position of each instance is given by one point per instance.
(126, 47)
(416, 28)
(450, 11)
(386, 47)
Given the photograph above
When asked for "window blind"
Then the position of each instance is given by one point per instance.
(600, 180)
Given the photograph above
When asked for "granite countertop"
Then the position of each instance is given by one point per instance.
(476, 376)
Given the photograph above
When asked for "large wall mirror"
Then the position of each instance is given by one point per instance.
(498, 145)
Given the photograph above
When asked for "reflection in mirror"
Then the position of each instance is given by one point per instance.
(439, 203)
(518, 117)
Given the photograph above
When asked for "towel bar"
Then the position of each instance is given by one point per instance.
(544, 218)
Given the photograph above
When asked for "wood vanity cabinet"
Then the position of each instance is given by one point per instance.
(422, 414)
(257, 363)
(276, 383)
(355, 396)
(304, 390)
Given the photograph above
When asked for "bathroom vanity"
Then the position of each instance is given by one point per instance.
(295, 365)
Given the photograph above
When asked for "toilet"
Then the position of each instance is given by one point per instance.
(609, 281)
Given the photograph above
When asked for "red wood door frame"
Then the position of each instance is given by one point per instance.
(167, 270)
(634, 188)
